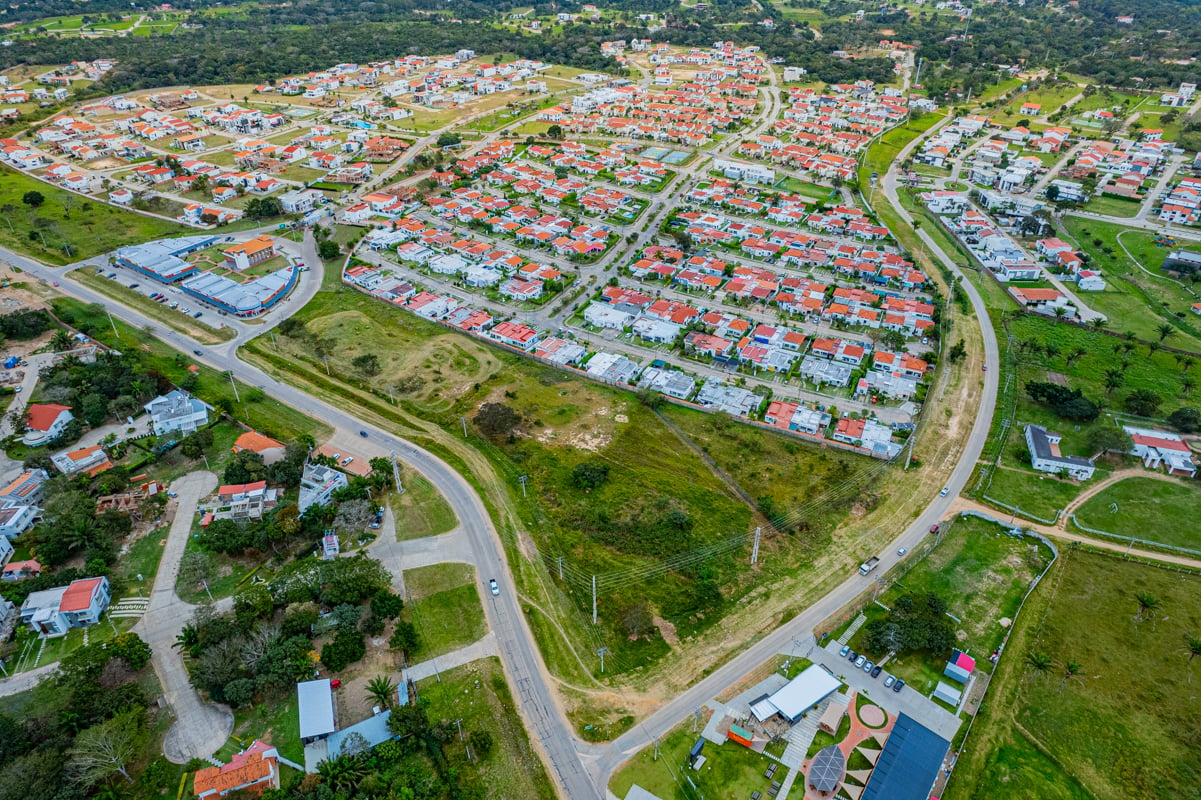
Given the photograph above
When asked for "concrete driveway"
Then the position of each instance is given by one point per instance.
(200, 728)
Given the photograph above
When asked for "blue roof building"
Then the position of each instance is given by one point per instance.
(909, 765)
(373, 729)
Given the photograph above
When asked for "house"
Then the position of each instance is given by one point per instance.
(177, 411)
(1045, 456)
(91, 460)
(25, 489)
(269, 449)
(1157, 448)
(252, 770)
(20, 570)
(243, 501)
(315, 705)
(1043, 301)
(317, 484)
(44, 422)
(53, 612)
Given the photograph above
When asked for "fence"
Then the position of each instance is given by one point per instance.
(1023, 514)
(1132, 541)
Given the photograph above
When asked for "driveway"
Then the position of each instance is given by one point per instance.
(200, 728)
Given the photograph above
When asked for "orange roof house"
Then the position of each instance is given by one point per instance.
(270, 449)
(254, 769)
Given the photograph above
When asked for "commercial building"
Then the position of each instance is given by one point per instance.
(244, 299)
(163, 259)
(909, 764)
(799, 695)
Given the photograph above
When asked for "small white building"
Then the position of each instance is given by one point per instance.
(177, 411)
(1045, 455)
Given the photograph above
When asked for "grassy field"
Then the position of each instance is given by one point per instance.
(277, 723)
(1049, 97)
(1148, 509)
(1036, 493)
(884, 151)
(185, 324)
(421, 510)
(142, 558)
(261, 412)
(444, 603)
(730, 770)
(1112, 206)
(982, 573)
(88, 227)
(1126, 726)
(477, 695)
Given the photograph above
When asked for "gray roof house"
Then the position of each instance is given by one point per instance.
(177, 411)
(1045, 455)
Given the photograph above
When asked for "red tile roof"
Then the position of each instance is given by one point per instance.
(41, 416)
(78, 596)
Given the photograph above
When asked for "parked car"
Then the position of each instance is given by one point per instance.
(131, 286)
(889, 681)
(336, 456)
(494, 587)
(852, 655)
(197, 315)
(363, 434)
(899, 685)
(18, 389)
(846, 648)
(347, 460)
(336, 683)
(868, 666)
(198, 352)
(876, 671)
(933, 529)
(860, 660)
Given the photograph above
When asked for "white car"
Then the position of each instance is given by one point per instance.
(347, 460)
(492, 584)
(944, 491)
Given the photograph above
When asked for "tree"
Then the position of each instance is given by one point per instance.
(1114, 378)
(107, 748)
(496, 419)
(33, 198)
(245, 467)
(1052, 193)
(957, 351)
(1143, 402)
(253, 602)
(352, 580)
(915, 622)
(60, 341)
(409, 724)
(346, 648)
(1108, 439)
(1185, 419)
(1071, 669)
(449, 140)
(130, 647)
(636, 618)
(1147, 605)
(387, 605)
(328, 250)
(590, 475)
(354, 515)
(554, 132)
(368, 364)
(239, 692)
(1165, 330)
(481, 743)
(381, 691)
(196, 443)
(1038, 663)
(264, 208)
(342, 774)
(405, 638)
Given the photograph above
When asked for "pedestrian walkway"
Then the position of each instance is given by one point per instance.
(481, 648)
(852, 630)
(129, 608)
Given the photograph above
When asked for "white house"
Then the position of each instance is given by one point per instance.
(177, 411)
(53, 612)
(1045, 455)
(317, 484)
(44, 422)
(1157, 448)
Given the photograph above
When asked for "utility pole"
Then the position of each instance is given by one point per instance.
(593, 599)
(464, 421)
(522, 481)
(601, 653)
(110, 322)
(560, 560)
(230, 374)
(755, 549)
(326, 360)
(909, 455)
(396, 473)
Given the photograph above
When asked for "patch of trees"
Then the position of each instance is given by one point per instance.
(1067, 403)
(496, 419)
(22, 325)
(113, 386)
(88, 725)
(915, 622)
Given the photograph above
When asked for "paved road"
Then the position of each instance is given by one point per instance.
(24, 681)
(200, 728)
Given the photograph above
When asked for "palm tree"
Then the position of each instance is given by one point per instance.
(1075, 355)
(1097, 322)
(60, 341)
(1039, 663)
(1147, 604)
(1187, 384)
(1165, 330)
(1071, 669)
(341, 774)
(1193, 645)
(1060, 312)
(1113, 379)
(381, 691)
(1187, 363)
(1051, 349)
(187, 638)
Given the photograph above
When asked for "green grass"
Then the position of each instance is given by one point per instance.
(730, 769)
(477, 695)
(1171, 130)
(982, 573)
(998, 89)
(822, 740)
(1148, 509)
(421, 510)
(884, 151)
(143, 559)
(261, 412)
(444, 603)
(88, 226)
(1049, 97)
(1127, 726)
(185, 324)
(1036, 493)
(277, 723)
(1112, 206)
(1107, 99)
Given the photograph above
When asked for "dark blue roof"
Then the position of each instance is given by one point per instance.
(909, 765)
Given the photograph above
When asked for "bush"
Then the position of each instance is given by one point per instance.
(346, 648)
(590, 475)
(1185, 420)
(482, 743)
(239, 692)
(387, 605)
(1065, 402)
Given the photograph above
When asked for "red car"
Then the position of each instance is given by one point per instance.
(933, 529)
(336, 683)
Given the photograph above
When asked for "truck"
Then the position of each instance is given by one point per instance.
(869, 565)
